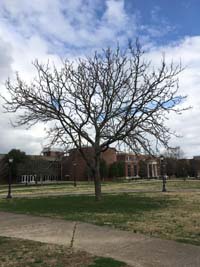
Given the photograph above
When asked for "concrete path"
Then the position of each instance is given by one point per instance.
(134, 249)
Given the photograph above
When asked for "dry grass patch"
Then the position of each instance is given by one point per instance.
(23, 253)
(83, 187)
(180, 221)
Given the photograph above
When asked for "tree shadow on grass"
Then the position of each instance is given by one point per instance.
(70, 205)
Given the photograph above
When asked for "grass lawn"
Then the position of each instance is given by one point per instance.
(171, 215)
(82, 187)
(22, 253)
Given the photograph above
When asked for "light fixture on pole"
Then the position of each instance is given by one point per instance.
(163, 174)
(10, 161)
(74, 173)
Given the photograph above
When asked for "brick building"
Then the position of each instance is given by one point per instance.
(35, 168)
(132, 165)
(196, 166)
(75, 167)
(39, 169)
(54, 165)
(52, 152)
(153, 167)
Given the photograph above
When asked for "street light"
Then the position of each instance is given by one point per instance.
(10, 161)
(163, 175)
(74, 173)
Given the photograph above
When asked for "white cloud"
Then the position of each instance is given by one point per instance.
(74, 23)
(115, 13)
(186, 125)
(60, 28)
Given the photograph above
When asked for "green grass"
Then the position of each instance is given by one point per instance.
(23, 253)
(78, 207)
(174, 215)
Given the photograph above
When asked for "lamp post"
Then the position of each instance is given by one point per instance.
(163, 175)
(10, 161)
(74, 172)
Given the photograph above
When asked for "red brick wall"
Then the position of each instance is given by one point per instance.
(110, 156)
(129, 160)
(76, 166)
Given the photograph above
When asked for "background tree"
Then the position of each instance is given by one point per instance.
(176, 165)
(4, 170)
(183, 168)
(121, 169)
(171, 166)
(117, 169)
(114, 96)
(195, 166)
(18, 157)
(113, 170)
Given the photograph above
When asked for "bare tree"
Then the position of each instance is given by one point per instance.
(174, 153)
(115, 96)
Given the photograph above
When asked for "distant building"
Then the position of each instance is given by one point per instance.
(74, 165)
(52, 152)
(153, 167)
(39, 169)
(35, 168)
(196, 157)
(53, 165)
(132, 165)
(3, 169)
(196, 166)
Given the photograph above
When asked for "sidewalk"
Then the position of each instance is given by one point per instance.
(134, 249)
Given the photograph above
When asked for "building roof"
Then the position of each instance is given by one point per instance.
(52, 149)
(196, 157)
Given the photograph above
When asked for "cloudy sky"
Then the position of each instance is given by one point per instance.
(56, 29)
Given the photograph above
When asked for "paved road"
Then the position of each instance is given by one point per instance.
(134, 249)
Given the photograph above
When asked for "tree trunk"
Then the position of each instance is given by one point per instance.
(97, 179)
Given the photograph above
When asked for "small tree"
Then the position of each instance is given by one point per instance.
(113, 170)
(173, 157)
(183, 168)
(117, 169)
(112, 96)
(121, 169)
